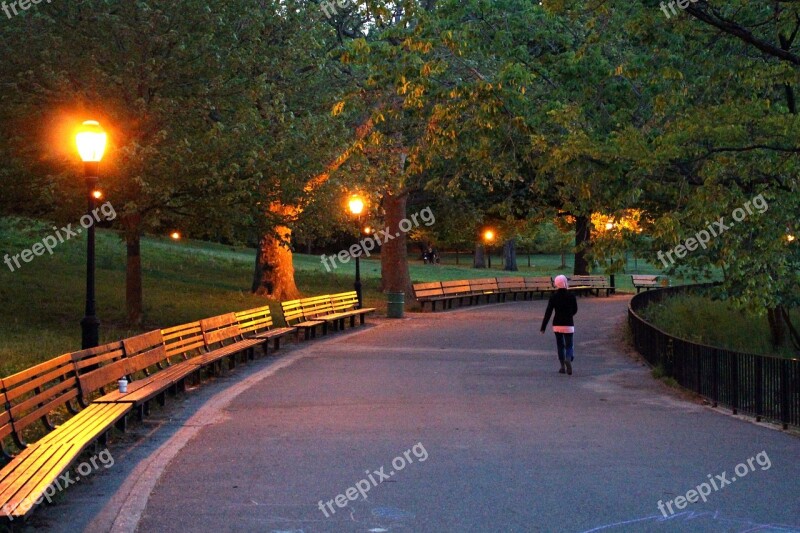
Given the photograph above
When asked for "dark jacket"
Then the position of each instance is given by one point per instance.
(565, 305)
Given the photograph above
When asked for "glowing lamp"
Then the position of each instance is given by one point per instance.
(356, 205)
(91, 141)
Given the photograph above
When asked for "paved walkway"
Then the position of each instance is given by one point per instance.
(465, 415)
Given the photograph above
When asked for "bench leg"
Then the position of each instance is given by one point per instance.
(276, 344)
(122, 424)
(102, 441)
(162, 399)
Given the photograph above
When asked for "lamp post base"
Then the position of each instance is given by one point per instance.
(357, 284)
(90, 332)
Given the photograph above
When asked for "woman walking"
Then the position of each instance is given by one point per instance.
(565, 305)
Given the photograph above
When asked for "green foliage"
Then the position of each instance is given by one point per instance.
(213, 110)
(713, 322)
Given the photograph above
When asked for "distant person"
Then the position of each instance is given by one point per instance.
(565, 305)
(428, 256)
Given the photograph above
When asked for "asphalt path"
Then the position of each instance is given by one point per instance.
(449, 421)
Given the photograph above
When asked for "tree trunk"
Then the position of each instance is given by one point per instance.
(480, 257)
(133, 269)
(582, 237)
(776, 330)
(274, 270)
(394, 252)
(510, 255)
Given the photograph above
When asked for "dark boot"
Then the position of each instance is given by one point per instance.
(569, 367)
(563, 370)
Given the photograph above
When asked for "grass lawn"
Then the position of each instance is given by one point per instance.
(42, 302)
(715, 323)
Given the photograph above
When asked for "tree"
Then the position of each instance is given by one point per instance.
(200, 127)
(719, 134)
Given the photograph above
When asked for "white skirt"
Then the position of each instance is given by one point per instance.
(563, 329)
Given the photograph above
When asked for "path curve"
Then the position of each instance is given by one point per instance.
(509, 444)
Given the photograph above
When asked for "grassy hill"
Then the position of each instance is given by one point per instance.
(42, 302)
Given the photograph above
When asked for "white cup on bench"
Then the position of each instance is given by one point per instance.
(123, 386)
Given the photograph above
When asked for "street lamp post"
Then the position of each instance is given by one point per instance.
(356, 205)
(91, 142)
(488, 236)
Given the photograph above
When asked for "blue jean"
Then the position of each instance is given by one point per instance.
(566, 350)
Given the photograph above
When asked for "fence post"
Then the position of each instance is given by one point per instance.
(698, 356)
(759, 388)
(735, 384)
(785, 393)
(715, 377)
(669, 358)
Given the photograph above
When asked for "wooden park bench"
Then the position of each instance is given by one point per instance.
(484, 287)
(190, 342)
(145, 365)
(321, 308)
(183, 342)
(540, 284)
(345, 305)
(647, 282)
(36, 396)
(513, 285)
(223, 339)
(257, 324)
(584, 284)
(430, 292)
(294, 317)
(81, 388)
(456, 290)
(442, 291)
